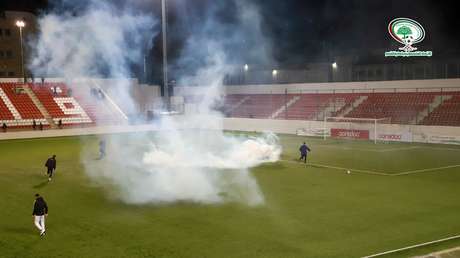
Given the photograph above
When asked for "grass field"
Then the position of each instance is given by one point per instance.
(397, 195)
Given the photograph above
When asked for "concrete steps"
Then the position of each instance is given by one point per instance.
(283, 108)
(438, 100)
(354, 105)
(332, 106)
(238, 104)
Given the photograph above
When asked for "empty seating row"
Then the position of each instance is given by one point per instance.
(446, 114)
(398, 107)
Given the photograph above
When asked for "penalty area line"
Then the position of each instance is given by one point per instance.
(412, 246)
(340, 168)
(424, 170)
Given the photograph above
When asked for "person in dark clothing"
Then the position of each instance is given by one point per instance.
(60, 123)
(40, 126)
(4, 127)
(303, 152)
(51, 166)
(101, 149)
(39, 213)
(34, 124)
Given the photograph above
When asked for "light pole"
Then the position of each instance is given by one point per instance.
(274, 76)
(165, 53)
(246, 69)
(334, 71)
(21, 24)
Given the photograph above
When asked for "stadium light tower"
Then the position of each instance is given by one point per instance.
(274, 75)
(165, 53)
(245, 72)
(21, 24)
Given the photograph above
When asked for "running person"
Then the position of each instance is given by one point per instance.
(303, 152)
(102, 149)
(51, 166)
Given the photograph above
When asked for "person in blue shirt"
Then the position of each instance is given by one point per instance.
(101, 149)
(303, 152)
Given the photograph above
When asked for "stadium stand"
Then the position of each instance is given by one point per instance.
(60, 106)
(447, 113)
(52, 104)
(17, 108)
(257, 105)
(401, 108)
(427, 108)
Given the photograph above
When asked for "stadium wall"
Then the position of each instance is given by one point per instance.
(337, 87)
(385, 132)
(404, 133)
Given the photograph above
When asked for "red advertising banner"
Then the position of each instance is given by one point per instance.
(349, 133)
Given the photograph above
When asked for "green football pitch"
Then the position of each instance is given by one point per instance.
(396, 195)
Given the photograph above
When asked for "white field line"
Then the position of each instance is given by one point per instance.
(339, 168)
(440, 148)
(369, 149)
(425, 170)
(413, 246)
(442, 253)
(401, 149)
(374, 172)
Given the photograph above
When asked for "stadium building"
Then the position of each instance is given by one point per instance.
(10, 42)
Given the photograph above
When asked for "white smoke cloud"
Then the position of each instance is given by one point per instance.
(189, 159)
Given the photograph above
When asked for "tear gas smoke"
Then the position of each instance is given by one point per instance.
(188, 159)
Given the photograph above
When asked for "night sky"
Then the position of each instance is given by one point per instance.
(300, 29)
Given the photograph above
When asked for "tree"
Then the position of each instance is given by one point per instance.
(404, 30)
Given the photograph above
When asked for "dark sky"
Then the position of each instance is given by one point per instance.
(360, 24)
(300, 29)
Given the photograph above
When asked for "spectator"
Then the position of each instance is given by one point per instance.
(100, 94)
(4, 127)
(40, 126)
(60, 123)
(34, 124)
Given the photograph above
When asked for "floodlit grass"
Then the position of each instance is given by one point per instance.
(309, 212)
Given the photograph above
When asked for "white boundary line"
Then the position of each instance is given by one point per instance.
(412, 247)
(339, 168)
(400, 149)
(354, 170)
(425, 170)
(368, 149)
(374, 172)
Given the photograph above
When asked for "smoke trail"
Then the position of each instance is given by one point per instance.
(189, 159)
(198, 164)
(96, 39)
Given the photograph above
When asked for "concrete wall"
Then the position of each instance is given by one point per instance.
(346, 87)
(423, 134)
(418, 133)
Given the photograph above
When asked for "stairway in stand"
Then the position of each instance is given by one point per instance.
(40, 106)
